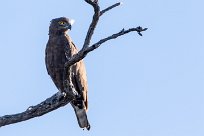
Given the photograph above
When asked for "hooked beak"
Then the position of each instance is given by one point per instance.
(71, 22)
(68, 26)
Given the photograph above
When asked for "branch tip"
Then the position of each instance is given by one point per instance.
(140, 29)
(122, 30)
(110, 7)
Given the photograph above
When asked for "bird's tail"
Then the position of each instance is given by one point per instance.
(81, 117)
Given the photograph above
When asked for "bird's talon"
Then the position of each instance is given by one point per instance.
(75, 93)
(64, 94)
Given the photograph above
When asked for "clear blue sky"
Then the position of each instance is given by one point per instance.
(138, 86)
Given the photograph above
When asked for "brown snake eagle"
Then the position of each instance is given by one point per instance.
(59, 48)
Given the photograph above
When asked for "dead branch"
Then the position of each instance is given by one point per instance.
(122, 32)
(58, 100)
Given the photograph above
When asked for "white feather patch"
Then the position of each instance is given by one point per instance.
(71, 21)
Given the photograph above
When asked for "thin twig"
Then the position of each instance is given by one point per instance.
(109, 8)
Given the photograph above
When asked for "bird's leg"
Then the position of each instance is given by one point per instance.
(69, 88)
(71, 91)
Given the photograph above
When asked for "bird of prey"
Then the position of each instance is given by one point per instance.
(59, 48)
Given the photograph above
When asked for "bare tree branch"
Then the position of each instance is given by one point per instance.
(50, 104)
(60, 99)
(122, 32)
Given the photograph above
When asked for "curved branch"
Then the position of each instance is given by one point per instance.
(94, 22)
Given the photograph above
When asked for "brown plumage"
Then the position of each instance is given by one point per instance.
(58, 45)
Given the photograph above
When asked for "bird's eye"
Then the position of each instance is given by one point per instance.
(61, 22)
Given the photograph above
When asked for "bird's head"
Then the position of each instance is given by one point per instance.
(60, 25)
